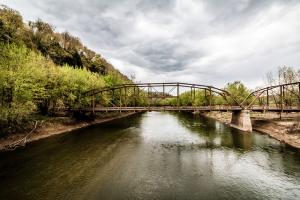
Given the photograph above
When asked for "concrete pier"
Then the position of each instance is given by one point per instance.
(241, 120)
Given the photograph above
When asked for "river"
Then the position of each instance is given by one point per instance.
(154, 155)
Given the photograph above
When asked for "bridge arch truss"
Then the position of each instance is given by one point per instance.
(128, 94)
(281, 97)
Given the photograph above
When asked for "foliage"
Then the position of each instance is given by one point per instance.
(11, 25)
(61, 48)
(187, 99)
(202, 97)
(42, 71)
(238, 91)
(29, 82)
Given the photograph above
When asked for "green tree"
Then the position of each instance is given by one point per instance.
(11, 25)
(238, 92)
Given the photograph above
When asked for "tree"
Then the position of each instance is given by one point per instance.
(238, 91)
(42, 70)
(11, 25)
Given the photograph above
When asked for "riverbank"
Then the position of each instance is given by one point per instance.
(285, 130)
(54, 126)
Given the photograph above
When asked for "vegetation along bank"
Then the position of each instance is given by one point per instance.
(44, 74)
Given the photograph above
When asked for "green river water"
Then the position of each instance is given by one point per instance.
(154, 155)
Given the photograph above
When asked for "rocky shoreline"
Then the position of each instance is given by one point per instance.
(54, 127)
(285, 130)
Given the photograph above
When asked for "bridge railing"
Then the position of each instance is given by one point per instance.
(189, 108)
(273, 107)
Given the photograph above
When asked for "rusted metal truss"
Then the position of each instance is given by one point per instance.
(277, 92)
(153, 91)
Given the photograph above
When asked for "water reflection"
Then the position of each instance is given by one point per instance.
(242, 140)
(266, 151)
(215, 133)
(153, 156)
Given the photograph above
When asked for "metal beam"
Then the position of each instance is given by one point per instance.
(210, 98)
(164, 95)
(134, 95)
(281, 101)
(268, 100)
(177, 94)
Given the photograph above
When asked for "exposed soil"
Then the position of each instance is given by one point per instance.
(53, 126)
(286, 129)
(283, 130)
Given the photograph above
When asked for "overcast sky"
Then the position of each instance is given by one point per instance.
(210, 42)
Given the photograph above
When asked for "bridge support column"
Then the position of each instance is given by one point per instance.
(240, 119)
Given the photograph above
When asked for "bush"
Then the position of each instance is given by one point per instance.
(31, 83)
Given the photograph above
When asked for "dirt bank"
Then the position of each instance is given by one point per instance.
(283, 130)
(286, 130)
(53, 126)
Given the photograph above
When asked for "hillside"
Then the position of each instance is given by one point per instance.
(43, 71)
(61, 48)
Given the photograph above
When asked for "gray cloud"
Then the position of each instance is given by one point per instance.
(209, 41)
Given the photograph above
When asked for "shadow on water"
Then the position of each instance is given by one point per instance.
(55, 162)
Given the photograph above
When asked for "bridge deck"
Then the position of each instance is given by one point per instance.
(192, 108)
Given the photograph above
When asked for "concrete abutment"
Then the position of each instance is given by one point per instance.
(241, 120)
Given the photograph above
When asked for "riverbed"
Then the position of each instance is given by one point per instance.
(154, 155)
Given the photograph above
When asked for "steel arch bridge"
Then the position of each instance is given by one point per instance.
(124, 97)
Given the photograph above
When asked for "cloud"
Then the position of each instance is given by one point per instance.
(210, 41)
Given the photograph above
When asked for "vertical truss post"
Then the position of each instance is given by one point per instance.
(134, 95)
(210, 98)
(205, 96)
(268, 100)
(148, 95)
(164, 96)
(138, 92)
(283, 96)
(125, 96)
(191, 95)
(281, 101)
(177, 94)
(299, 95)
(120, 103)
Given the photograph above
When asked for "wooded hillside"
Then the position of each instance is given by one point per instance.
(42, 70)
